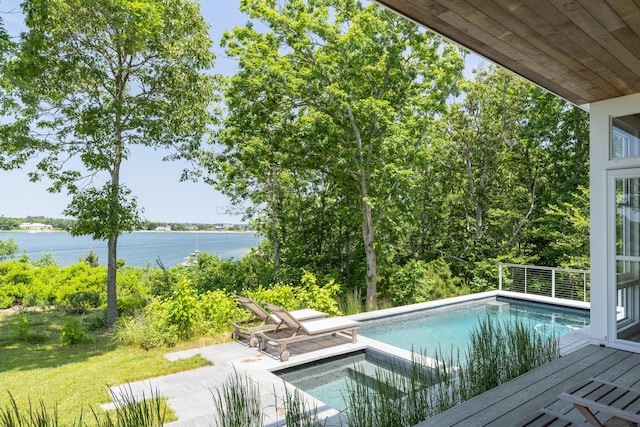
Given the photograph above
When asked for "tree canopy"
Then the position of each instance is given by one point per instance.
(329, 108)
(96, 78)
(345, 119)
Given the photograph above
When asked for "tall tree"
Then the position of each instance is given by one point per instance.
(355, 83)
(504, 156)
(100, 76)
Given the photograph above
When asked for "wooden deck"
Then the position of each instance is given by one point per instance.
(511, 402)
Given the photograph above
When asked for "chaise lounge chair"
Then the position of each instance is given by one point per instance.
(261, 321)
(304, 330)
(620, 404)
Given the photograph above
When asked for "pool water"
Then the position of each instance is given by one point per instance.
(425, 332)
(329, 381)
(431, 330)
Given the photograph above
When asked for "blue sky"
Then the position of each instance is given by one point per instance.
(155, 183)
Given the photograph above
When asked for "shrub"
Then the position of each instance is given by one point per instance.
(182, 309)
(213, 273)
(15, 280)
(23, 330)
(133, 290)
(219, 310)
(79, 302)
(309, 295)
(147, 329)
(73, 333)
(94, 321)
(83, 280)
(419, 281)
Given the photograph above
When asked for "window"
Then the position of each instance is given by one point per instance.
(625, 133)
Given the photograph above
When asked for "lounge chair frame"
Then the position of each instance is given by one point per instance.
(262, 321)
(305, 330)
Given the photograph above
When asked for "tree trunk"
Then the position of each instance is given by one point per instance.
(369, 235)
(112, 299)
(368, 226)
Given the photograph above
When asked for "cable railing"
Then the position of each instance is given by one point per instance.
(547, 281)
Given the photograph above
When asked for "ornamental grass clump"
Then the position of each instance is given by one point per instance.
(38, 416)
(133, 412)
(297, 411)
(237, 403)
(501, 351)
(406, 395)
(401, 395)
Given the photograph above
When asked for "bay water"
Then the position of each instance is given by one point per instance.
(137, 248)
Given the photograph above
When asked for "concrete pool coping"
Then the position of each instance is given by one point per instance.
(189, 394)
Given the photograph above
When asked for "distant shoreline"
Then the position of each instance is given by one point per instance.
(137, 231)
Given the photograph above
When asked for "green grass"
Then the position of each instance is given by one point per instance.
(35, 367)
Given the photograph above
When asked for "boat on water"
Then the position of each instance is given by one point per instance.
(191, 259)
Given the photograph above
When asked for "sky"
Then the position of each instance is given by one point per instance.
(156, 184)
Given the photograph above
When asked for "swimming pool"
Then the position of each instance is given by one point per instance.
(327, 380)
(450, 326)
(423, 331)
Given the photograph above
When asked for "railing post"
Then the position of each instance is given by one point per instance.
(584, 292)
(525, 279)
(553, 283)
(499, 276)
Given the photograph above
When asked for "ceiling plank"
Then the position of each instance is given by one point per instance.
(582, 50)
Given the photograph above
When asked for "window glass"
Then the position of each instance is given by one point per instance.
(625, 133)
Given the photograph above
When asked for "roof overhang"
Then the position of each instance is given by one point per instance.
(583, 50)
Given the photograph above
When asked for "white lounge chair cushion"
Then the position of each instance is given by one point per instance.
(302, 315)
(331, 324)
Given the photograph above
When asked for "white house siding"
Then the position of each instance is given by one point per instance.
(603, 273)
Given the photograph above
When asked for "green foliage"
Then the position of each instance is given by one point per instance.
(38, 416)
(15, 281)
(91, 259)
(80, 302)
(80, 287)
(499, 352)
(73, 332)
(406, 395)
(394, 397)
(184, 314)
(213, 273)
(134, 289)
(25, 333)
(8, 248)
(218, 309)
(237, 402)
(308, 295)
(366, 112)
(134, 411)
(182, 309)
(297, 411)
(352, 302)
(419, 281)
(147, 329)
(156, 92)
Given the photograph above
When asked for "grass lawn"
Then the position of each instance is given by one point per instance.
(35, 366)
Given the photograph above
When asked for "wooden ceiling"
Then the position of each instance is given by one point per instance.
(582, 50)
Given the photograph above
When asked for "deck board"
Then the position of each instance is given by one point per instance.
(540, 388)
